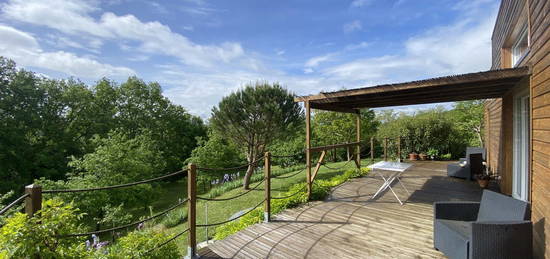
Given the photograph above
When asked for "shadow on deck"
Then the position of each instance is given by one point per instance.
(350, 225)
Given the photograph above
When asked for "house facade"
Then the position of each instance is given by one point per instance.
(518, 124)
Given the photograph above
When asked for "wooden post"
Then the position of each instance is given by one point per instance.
(33, 203)
(267, 171)
(398, 149)
(385, 149)
(372, 149)
(358, 135)
(308, 147)
(192, 210)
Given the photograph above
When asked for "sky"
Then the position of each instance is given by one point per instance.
(202, 50)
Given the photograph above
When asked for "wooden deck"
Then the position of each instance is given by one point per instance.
(349, 225)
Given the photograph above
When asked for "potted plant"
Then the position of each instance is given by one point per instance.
(423, 156)
(483, 180)
(433, 153)
(413, 156)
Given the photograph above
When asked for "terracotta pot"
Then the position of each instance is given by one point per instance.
(423, 157)
(413, 156)
(483, 183)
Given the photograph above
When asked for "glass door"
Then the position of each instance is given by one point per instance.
(521, 148)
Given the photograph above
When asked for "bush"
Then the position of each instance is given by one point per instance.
(137, 244)
(321, 189)
(23, 236)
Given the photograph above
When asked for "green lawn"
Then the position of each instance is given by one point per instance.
(221, 210)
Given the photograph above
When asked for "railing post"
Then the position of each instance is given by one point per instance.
(385, 149)
(358, 137)
(372, 149)
(192, 210)
(33, 203)
(267, 171)
(399, 149)
(308, 148)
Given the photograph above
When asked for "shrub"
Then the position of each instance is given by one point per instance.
(320, 190)
(23, 236)
(137, 244)
(446, 156)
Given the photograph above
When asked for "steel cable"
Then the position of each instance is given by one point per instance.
(166, 242)
(127, 225)
(234, 197)
(231, 168)
(288, 176)
(13, 203)
(115, 186)
(229, 220)
(288, 196)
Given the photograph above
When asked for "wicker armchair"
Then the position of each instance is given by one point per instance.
(497, 227)
(468, 166)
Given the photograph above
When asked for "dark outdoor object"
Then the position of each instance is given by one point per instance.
(483, 180)
(497, 227)
(413, 156)
(467, 167)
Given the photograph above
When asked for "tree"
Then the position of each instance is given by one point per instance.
(470, 119)
(216, 152)
(254, 117)
(337, 127)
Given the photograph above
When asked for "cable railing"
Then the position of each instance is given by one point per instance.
(34, 194)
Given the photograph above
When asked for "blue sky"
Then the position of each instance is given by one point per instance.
(201, 50)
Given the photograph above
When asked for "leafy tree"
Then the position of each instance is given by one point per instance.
(216, 152)
(470, 120)
(137, 244)
(118, 159)
(336, 127)
(254, 117)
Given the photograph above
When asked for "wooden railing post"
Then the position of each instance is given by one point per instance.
(308, 148)
(372, 149)
(267, 171)
(358, 135)
(192, 210)
(33, 203)
(385, 149)
(398, 149)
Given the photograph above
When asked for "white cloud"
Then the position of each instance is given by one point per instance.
(315, 61)
(462, 47)
(352, 26)
(308, 70)
(361, 3)
(74, 17)
(25, 50)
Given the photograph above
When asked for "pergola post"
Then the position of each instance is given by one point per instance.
(358, 135)
(308, 148)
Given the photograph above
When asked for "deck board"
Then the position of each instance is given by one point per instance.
(351, 225)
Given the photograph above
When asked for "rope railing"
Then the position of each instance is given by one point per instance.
(336, 168)
(288, 176)
(232, 168)
(233, 197)
(288, 196)
(126, 225)
(288, 156)
(166, 242)
(13, 203)
(229, 220)
(115, 186)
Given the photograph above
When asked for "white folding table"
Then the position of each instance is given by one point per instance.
(396, 169)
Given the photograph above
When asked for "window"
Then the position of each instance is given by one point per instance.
(520, 183)
(520, 47)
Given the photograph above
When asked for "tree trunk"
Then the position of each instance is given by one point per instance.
(250, 170)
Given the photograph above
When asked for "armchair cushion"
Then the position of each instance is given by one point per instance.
(452, 237)
(465, 211)
(498, 207)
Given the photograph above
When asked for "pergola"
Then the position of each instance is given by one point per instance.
(471, 86)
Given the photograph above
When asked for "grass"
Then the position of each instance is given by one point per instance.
(221, 210)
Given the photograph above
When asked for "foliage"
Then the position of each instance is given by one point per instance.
(469, 116)
(4, 202)
(447, 156)
(23, 236)
(292, 146)
(320, 191)
(255, 116)
(425, 130)
(336, 127)
(118, 159)
(216, 152)
(137, 244)
(45, 122)
(433, 153)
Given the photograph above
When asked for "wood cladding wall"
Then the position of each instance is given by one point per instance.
(538, 60)
(498, 114)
